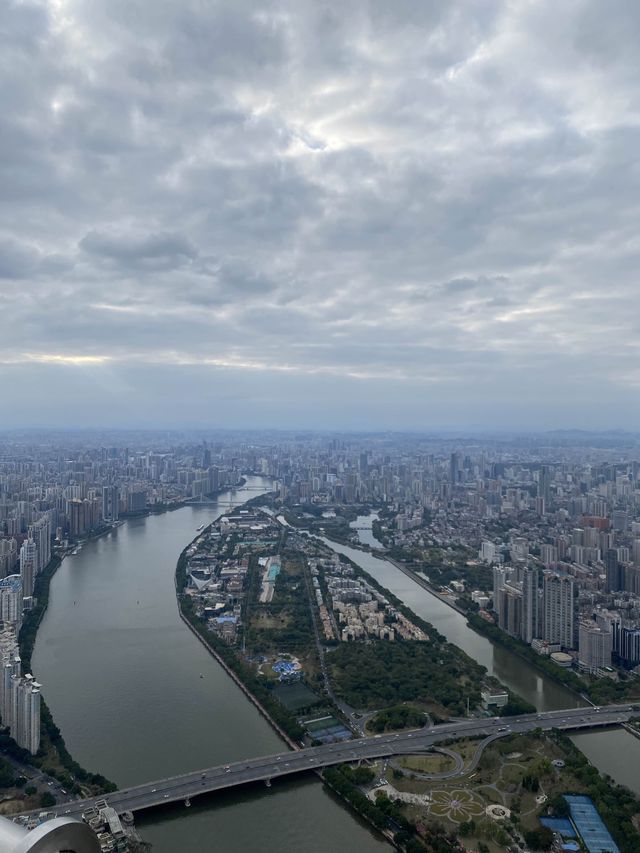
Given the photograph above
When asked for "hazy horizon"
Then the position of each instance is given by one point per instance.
(407, 216)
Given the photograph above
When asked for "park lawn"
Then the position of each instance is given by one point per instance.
(436, 763)
(262, 620)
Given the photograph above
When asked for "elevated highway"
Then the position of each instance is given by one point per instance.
(267, 768)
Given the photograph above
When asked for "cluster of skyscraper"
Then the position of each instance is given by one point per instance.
(559, 522)
(532, 612)
(589, 602)
(51, 493)
(19, 695)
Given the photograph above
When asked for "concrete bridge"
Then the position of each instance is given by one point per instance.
(268, 768)
(205, 499)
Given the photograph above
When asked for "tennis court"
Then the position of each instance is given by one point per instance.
(590, 826)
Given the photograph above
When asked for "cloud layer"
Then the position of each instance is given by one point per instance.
(386, 214)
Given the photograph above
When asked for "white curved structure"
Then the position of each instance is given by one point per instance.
(60, 835)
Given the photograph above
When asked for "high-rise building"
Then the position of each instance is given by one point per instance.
(631, 577)
(206, 456)
(454, 468)
(11, 601)
(19, 696)
(544, 485)
(9, 556)
(9, 666)
(614, 581)
(500, 576)
(76, 514)
(40, 532)
(529, 604)
(28, 566)
(110, 503)
(559, 626)
(619, 520)
(626, 637)
(594, 647)
(627, 645)
(27, 733)
(510, 609)
(487, 552)
(548, 555)
(136, 500)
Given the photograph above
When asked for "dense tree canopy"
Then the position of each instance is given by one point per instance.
(383, 674)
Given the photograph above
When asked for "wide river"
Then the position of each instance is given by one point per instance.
(122, 675)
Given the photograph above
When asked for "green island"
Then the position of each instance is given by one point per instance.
(330, 654)
(282, 624)
(387, 686)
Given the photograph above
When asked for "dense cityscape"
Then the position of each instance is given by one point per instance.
(319, 437)
(535, 539)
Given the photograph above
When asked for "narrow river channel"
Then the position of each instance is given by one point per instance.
(614, 752)
(137, 697)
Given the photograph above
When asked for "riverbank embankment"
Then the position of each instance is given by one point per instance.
(445, 599)
(239, 683)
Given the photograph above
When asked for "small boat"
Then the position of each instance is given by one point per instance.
(201, 675)
(198, 529)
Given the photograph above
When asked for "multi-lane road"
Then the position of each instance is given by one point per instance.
(271, 767)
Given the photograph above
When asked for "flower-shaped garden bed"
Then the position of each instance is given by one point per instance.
(457, 805)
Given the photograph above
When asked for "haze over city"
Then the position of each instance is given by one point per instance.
(404, 215)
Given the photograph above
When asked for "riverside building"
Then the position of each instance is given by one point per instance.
(559, 610)
(595, 645)
(28, 566)
(11, 602)
(19, 695)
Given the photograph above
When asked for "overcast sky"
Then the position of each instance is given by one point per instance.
(362, 214)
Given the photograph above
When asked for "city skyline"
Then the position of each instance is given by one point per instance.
(417, 216)
(495, 578)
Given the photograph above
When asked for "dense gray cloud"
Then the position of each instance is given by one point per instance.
(381, 214)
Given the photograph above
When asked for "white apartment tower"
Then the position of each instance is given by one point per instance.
(28, 566)
(40, 533)
(529, 604)
(595, 647)
(11, 602)
(19, 696)
(500, 577)
(27, 734)
(559, 601)
(487, 552)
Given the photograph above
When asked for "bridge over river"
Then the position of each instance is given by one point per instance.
(267, 768)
